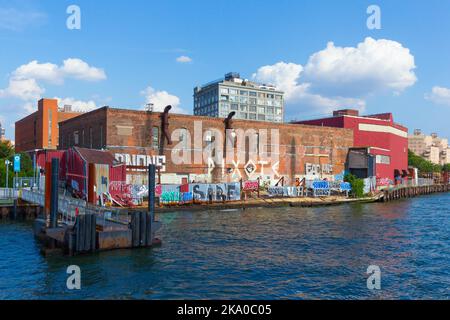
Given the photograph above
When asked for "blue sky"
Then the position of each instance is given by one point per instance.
(126, 55)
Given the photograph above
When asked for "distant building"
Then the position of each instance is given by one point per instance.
(381, 145)
(431, 148)
(40, 130)
(250, 100)
(2, 132)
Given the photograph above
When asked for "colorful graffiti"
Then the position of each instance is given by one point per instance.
(188, 193)
(285, 191)
(318, 188)
(384, 182)
(251, 185)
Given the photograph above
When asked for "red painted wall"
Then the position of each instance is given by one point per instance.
(396, 146)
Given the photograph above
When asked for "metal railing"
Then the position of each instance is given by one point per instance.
(8, 193)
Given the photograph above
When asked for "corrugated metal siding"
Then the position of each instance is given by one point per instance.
(118, 173)
(77, 172)
(117, 180)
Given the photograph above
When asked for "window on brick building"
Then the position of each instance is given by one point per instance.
(101, 137)
(76, 138)
(155, 137)
(90, 138)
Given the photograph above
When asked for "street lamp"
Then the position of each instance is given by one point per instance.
(7, 163)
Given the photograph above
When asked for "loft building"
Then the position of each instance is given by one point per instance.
(39, 130)
(432, 148)
(249, 100)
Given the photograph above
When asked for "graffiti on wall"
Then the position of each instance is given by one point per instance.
(318, 188)
(285, 191)
(200, 192)
(317, 169)
(142, 160)
(251, 186)
(216, 192)
(384, 182)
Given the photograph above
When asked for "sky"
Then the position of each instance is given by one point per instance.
(322, 54)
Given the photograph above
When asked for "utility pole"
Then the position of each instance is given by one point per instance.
(7, 162)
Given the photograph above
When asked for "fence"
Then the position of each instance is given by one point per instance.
(68, 207)
(314, 188)
(420, 182)
(8, 193)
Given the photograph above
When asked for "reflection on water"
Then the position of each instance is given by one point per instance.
(289, 253)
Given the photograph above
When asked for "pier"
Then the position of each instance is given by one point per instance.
(404, 192)
(72, 226)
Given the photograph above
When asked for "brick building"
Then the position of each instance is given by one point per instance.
(385, 142)
(139, 138)
(40, 129)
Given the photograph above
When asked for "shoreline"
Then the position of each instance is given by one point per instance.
(268, 203)
(303, 202)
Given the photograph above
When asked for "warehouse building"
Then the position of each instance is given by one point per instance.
(177, 144)
(377, 138)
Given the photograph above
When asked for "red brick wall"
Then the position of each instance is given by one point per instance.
(130, 132)
(27, 138)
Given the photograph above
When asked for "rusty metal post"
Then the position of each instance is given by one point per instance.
(151, 199)
(54, 193)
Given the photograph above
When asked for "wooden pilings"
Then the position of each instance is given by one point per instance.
(84, 238)
(141, 229)
(413, 191)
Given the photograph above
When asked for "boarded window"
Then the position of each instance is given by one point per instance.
(124, 130)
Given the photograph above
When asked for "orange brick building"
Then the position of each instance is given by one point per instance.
(137, 138)
(40, 130)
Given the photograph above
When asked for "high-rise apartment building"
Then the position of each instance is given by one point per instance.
(250, 100)
(431, 148)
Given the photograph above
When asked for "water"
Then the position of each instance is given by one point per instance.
(288, 253)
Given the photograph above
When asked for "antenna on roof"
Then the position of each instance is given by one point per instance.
(149, 107)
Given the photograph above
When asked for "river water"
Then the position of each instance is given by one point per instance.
(285, 253)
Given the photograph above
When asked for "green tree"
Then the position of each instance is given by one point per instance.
(446, 167)
(423, 165)
(7, 153)
(6, 150)
(357, 185)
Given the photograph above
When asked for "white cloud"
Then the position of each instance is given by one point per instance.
(184, 59)
(24, 89)
(41, 71)
(71, 68)
(286, 77)
(373, 66)
(161, 99)
(29, 107)
(17, 20)
(77, 105)
(79, 69)
(439, 95)
(339, 77)
(23, 83)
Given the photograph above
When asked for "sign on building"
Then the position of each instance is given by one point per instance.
(17, 163)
